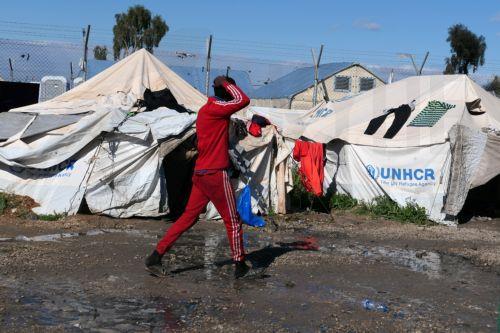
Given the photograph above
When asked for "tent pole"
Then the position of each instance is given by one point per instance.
(316, 67)
(281, 188)
(209, 56)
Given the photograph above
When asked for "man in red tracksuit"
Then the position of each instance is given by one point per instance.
(210, 179)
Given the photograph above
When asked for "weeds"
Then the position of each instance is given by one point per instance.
(51, 217)
(16, 205)
(302, 199)
(380, 207)
(342, 202)
(21, 206)
(388, 209)
(3, 202)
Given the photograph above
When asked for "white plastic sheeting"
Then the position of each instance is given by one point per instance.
(120, 175)
(58, 189)
(100, 151)
(128, 78)
(349, 119)
(415, 174)
(56, 146)
(127, 178)
(257, 159)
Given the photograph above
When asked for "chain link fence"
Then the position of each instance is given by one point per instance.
(30, 61)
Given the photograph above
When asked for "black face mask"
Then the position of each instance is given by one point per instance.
(220, 92)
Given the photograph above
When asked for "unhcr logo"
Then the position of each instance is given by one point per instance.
(67, 165)
(321, 113)
(386, 173)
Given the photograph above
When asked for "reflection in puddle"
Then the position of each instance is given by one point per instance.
(69, 307)
(59, 236)
(426, 262)
(212, 241)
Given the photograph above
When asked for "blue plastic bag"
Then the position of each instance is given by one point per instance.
(245, 209)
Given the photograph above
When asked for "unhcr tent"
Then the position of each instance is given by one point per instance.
(93, 143)
(424, 139)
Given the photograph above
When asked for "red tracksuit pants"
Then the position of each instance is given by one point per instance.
(216, 187)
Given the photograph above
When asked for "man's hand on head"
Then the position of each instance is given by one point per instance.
(219, 80)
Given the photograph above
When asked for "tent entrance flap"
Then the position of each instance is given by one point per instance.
(179, 168)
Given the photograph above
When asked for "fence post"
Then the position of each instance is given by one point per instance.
(85, 52)
(316, 69)
(209, 55)
(11, 70)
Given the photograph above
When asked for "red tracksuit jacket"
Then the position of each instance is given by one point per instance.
(212, 129)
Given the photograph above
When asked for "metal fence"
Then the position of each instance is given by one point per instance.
(29, 61)
(24, 60)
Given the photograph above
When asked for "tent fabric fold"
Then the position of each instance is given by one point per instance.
(96, 148)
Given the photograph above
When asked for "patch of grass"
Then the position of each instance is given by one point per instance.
(299, 196)
(342, 202)
(3, 202)
(271, 212)
(51, 217)
(16, 205)
(301, 199)
(388, 209)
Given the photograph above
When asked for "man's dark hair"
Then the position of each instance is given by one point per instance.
(220, 92)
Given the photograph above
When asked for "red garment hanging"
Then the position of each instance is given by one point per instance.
(310, 156)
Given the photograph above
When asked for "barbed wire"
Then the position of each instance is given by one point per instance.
(58, 50)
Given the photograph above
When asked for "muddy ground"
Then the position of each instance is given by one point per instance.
(86, 274)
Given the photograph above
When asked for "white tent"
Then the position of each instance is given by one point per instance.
(447, 146)
(88, 142)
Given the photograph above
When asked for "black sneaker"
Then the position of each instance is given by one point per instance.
(154, 259)
(240, 269)
(154, 266)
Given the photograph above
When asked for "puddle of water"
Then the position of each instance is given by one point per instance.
(93, 232)
(68, 307)
(426, 262)
(212, 241)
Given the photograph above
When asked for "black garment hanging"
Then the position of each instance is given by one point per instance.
(155, 99)
(401, 115)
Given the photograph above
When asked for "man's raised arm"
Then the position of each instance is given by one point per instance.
(227, 108)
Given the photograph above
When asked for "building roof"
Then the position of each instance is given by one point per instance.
(195, 76)
(298, 80)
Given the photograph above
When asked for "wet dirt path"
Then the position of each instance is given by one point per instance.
(350, 275)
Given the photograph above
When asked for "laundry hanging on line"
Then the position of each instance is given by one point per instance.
(401, 115)
(431, 114)
(311, 171)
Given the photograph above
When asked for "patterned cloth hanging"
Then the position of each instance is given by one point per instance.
(431, 114)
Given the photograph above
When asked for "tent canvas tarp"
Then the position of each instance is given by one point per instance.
(95, 149)
(434, 164)
(107, 154)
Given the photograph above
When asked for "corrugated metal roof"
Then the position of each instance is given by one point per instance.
(298, 80)
(195, 76)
